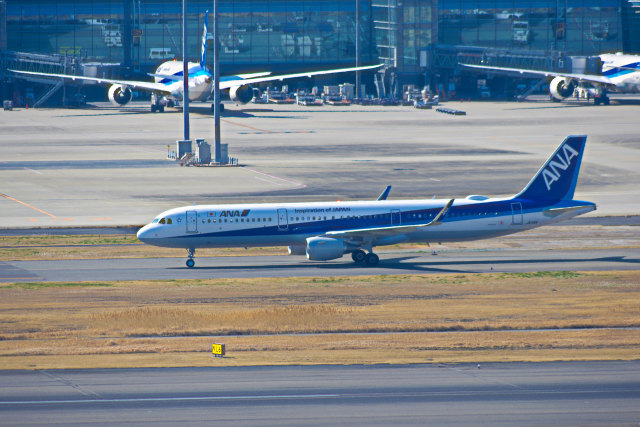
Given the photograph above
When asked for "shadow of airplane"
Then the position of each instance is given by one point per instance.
(436, 266)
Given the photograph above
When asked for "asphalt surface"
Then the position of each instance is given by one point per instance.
(481, 261)
(507, 394)
(107, 166)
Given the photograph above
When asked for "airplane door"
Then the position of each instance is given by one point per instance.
(192, 222)
(395, 217)
(283, 223)
(516, 213)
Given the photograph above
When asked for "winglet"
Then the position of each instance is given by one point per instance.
(443, 212)
(385, 193)
(203, 52)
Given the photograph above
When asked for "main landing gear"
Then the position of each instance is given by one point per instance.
(157, 103)
(361, 257)
(191, 253)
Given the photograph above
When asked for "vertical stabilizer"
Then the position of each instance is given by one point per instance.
(557, 178)
(203, 51)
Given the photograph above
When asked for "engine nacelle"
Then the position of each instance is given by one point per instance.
(297, 250)
(120, 95)
(561, 88)
(241, 94)
(325, 248)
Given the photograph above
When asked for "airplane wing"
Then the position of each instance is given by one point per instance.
(151, 86)
(580, 77)
(177, 78)
(390, 230)
(232, 83)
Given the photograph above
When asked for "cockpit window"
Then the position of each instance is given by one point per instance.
(163, 221)
(156, 220)
(169, 221)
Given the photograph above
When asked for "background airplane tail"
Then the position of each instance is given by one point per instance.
(203, 51)
(557, 178)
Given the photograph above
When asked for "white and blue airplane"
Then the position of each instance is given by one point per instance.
(168, 87)
(328, 230)
(620, 73)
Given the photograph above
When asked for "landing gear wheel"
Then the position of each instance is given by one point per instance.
(191, 253)
(358, 256)
(371, 259)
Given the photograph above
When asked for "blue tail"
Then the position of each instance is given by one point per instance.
(557, 178)
(203, 51)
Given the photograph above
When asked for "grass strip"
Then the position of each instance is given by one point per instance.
(416, 318)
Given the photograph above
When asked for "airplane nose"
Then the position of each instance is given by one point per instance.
(144, 234)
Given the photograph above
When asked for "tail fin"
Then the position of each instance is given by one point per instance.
(203, 51)
(557, 178)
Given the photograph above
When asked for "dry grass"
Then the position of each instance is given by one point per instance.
(377, 319)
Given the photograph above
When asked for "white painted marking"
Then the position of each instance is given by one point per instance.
(170, 399)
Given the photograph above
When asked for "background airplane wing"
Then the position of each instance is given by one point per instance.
(377, 232)
(232, 83)
(151, 86)
(580, 77)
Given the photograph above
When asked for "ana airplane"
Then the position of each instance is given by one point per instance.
(168, 87)
(620, 73)
(326, 231)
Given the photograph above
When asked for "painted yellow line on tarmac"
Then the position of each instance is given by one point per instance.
(28, 205)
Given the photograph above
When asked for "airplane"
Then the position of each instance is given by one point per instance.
(328, 230)
(168, 87)
(619, 74)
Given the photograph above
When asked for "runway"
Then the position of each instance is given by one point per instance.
(524, 394)
(468, 261)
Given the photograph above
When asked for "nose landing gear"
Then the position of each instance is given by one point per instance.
(191, 253)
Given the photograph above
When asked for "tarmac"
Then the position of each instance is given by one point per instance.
(106, 166)
(493, 394)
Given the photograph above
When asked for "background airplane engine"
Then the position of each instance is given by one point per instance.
(241, 94)
(324, 248)
(119, 94)
(297, 250)
(561, 88)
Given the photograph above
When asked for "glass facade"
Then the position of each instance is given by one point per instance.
(578, 27)
(252, 31)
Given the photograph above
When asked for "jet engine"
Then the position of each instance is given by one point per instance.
(119, 94)
(325, 248)
(561, 88)
(241, 94)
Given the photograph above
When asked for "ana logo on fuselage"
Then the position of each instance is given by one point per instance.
(550, 173)
(230, 214)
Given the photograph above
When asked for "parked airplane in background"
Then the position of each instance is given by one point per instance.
(168, 86)
(620, 73)
(326, 231)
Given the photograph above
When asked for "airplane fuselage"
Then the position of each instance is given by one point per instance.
(291, 224)
(200, 81)
(623, 70)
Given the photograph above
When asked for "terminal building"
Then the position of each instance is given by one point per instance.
(421, 42)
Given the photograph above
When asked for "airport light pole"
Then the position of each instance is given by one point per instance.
(216, 85)
(357, 48)
(185, 72)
